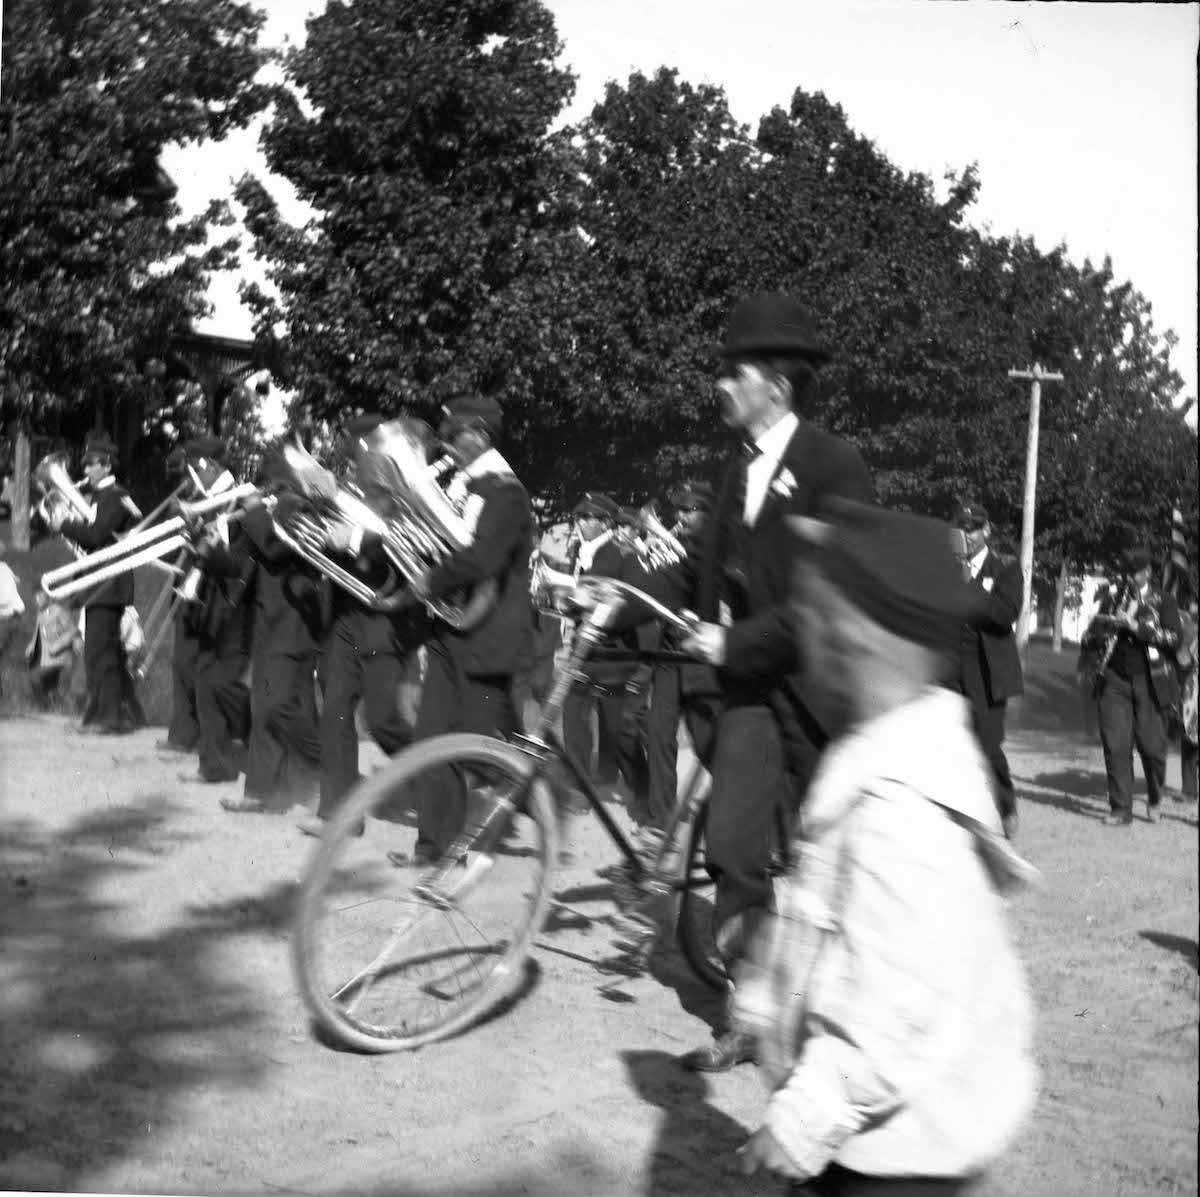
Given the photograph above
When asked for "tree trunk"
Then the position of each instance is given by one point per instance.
(1060, 596)
(20, 490)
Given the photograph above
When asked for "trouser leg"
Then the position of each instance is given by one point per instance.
(220, 713)
(383, 674)
(283, 718)
(1189, 773)
(1116, 737)
(662, 744)
(1150, 737)
(184, 728)
(105, 663)
(452, 701)
(340, 675)
(750, 784)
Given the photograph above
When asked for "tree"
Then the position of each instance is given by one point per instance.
(419, 134)
(99, 271)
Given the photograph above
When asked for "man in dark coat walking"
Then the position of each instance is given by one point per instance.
(989, 666)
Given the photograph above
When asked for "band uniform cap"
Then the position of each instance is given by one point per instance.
(99, 444)
(896, 567)
(361, 426)
(480, 411)
(594, 503)
(690, 494)
(1136, 559)
(970, 517)
(773, 324)
(212, 447)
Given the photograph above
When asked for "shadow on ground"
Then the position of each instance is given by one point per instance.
(1079, 791)
(100, 1030)
(1189, 949)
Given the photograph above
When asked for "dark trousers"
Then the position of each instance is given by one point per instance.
(284, 745)
(348, 675)
(104, 661)
(222, 713)
(1188, 754)
(453, 701)
(751, 783)
(1129, 718)
(184, 729)
(615, 738)
(988, 718)
(836, 1181)
(668, 702)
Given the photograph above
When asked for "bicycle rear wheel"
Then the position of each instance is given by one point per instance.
(694, 921)
(389, 958)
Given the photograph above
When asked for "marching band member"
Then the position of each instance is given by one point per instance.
(1138, 628)
(690, 690)
(203, 458)
(114, 511)
(363, 656)
(468, 681)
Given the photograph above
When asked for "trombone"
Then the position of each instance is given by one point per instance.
(147, 545)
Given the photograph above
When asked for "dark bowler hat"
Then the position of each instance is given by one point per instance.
(361, 426)
(690, 495)
(212, 447)
(772, 324)
(970, 517)
(594, 503)
(1136, 559)
(99, 444)
(472, 411)
(896, 567)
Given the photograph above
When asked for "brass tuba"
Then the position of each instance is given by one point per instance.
(657, 546)
(61, 498)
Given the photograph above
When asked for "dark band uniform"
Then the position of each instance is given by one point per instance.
(104, 658)
(363, 657)
(468, 679)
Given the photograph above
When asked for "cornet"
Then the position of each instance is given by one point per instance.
(657, 547)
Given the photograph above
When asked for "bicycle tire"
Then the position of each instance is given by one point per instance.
(694, 909)
(410, 992)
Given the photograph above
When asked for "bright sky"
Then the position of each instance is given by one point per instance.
(1082, 116)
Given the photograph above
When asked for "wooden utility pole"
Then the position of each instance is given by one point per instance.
(1036, 376)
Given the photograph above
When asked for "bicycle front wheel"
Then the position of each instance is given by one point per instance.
(391, 957)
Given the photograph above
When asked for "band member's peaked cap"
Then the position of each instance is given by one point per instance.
(896, 567)
(690, 494)
(970, 517)
(592, 502)
(774, 325)
(99, 444)
(478, 411)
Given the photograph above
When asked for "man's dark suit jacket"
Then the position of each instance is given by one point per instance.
(988, 643)
(1163, 680)
(500, 550)
(114, 513)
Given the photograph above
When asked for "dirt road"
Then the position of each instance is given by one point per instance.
(151, 1038)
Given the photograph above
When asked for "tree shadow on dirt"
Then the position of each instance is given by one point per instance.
(1189, 949)
(101, 1029)
(696, 1147)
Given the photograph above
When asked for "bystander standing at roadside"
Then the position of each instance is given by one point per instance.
(12, 606)
(56, 644)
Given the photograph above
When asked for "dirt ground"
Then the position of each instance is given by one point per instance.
(152, 1040)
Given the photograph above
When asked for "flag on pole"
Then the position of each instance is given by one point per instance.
(1175, 566)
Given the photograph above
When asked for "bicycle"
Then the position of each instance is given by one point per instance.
(391, 959)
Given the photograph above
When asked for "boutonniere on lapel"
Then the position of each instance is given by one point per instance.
(785, 484)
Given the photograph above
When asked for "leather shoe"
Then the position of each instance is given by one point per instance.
(1152, 814)
(725, 1052)
(244, 806)
(167, 746)
(1010, 823)
(315, 825)
(421, 858)
(1117, 819)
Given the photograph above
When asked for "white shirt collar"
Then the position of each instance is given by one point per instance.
(977, 561)
(490, 462)
(774, 441)
(105, 482)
